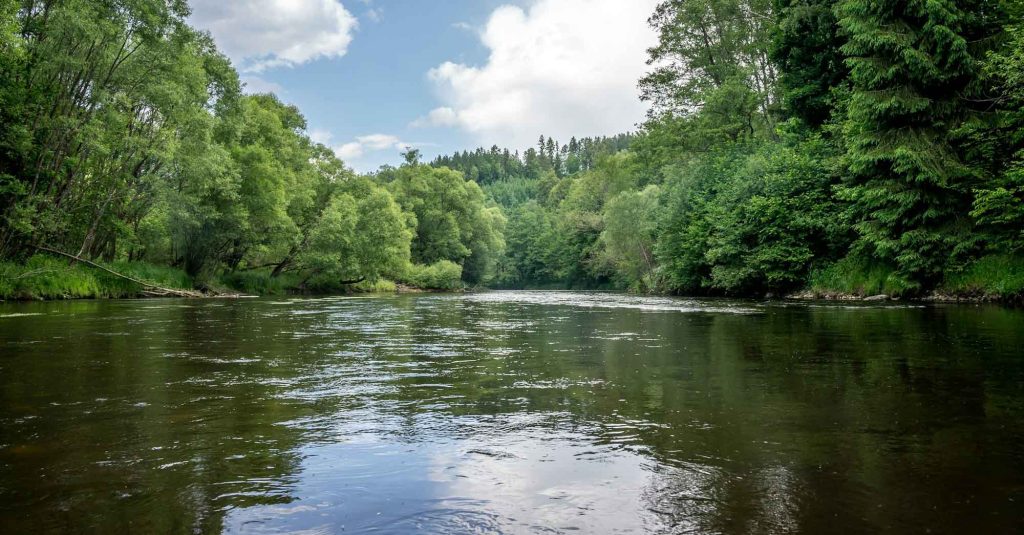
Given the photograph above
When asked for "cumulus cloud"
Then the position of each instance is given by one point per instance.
(261, 34)
(560, 68)
(443, 116)
(373, 142)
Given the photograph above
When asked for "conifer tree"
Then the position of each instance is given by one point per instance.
(913, 66)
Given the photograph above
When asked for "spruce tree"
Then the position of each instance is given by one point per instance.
(913, 68)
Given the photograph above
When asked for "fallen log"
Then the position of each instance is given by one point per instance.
(148, 289)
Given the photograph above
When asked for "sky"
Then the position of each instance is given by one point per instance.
(373, 77)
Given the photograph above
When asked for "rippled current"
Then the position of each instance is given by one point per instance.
(510, 412)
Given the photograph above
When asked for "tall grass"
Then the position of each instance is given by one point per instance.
(991, 276)
(855, 276)
(44, 277)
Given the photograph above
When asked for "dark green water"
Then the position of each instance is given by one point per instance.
(509, 413)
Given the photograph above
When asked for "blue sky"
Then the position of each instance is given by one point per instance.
(374, 76)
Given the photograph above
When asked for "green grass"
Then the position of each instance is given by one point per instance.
(854, 276)
(45, 277)
(999, 276)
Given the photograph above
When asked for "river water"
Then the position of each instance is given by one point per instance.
(510, 412)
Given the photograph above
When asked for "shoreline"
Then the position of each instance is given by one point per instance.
(800, 296)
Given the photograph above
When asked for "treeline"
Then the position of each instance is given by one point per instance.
(844, 146)
(486, 166)
(125, 137)
(847, 146)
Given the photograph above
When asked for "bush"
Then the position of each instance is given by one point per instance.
(441, 275)
(378, 286)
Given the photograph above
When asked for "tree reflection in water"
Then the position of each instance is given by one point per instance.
(509, 412)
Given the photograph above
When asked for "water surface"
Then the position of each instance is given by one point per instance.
(509, 412)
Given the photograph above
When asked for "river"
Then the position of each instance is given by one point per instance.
(510, 412)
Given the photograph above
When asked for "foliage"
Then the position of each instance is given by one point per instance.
(125, 138)
(452, 221)
(912, 67)
(532, 247)
(712, 64)
(806, 47)
(488, 166)
(999, 203)
(995, 275)
(859, 276)
(630, 231)
(441, 275)
(45, 277)
(377, 286)
(849, 146)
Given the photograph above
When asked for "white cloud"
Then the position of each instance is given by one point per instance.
(561, 68)
(260, 34)
(370, 143)
(443, 116)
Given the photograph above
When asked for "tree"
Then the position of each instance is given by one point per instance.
(451, 220)
(712, 63)
(630, 231)
(999, 203)
(807, 48)
(913, 67)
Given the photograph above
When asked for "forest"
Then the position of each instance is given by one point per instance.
(833, 147)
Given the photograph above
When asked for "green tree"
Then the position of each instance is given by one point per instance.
(451, 219)
(999, 203)
(807, 48)
(913, 67)
(630, 230)
(712, 64)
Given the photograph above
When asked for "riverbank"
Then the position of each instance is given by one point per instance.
(47, 278)
(990, 280)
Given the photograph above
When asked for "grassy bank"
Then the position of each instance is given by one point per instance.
(43, 277)
(1000, 277)
(46, 277)
(991, 278)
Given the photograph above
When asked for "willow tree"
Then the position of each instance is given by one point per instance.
(94, 102)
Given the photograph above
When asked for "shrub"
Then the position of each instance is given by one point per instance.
(441, 275)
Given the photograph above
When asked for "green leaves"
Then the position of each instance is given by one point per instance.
(911, 72)
(451, 220)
